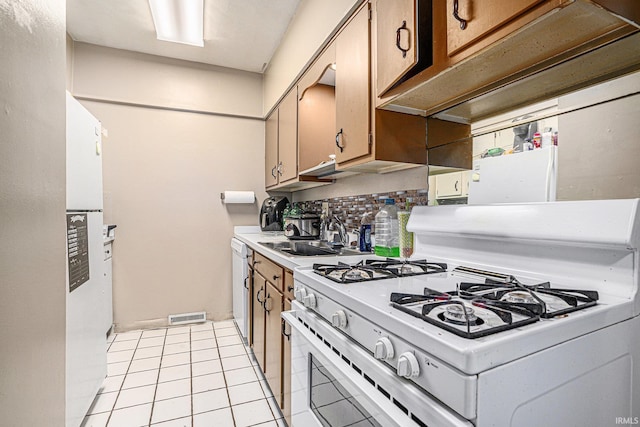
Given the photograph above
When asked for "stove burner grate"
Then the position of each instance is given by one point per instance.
(407, 267)
(376, 269)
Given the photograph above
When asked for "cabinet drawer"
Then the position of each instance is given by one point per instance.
(271, 271)
(288, 285)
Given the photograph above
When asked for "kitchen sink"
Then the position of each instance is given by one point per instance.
(308, 248)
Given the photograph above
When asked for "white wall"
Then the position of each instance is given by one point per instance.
(32, 213)
(164, 170)
(314, 22)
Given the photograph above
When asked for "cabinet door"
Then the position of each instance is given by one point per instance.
(288, 137)
(258, 316)
(273, 341)
(271, 150)
(482, 17)
(449, 185)
(286, 367)
(396, 41)
(352, 89)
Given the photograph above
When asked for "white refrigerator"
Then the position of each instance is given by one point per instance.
(529, 176)
(86, 344)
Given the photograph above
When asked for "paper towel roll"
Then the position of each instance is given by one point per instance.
(230, 197)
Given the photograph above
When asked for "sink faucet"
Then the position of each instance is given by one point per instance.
(342, 231)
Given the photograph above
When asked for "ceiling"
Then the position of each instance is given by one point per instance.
(240, 34)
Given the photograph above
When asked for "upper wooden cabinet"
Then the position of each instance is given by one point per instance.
(470, 20)
(512, 53)
(281, 142)
(403, 40)
(352, 89)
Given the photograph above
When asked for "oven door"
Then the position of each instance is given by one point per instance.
(335, 383)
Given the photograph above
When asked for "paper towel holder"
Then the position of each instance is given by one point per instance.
(235, 197)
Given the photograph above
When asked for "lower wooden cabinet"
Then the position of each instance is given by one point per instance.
(269, 334)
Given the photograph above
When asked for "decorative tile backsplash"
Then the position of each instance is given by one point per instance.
(351, 208)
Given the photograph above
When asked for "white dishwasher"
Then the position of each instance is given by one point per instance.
(240, 272)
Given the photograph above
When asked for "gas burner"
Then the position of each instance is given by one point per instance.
(459, 314)
(345, 273)
(408, 267)
(519, 297)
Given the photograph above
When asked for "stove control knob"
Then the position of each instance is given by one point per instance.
(300, 294)
(310, 301)
(383, 349)
(339, 319)
(408, 366)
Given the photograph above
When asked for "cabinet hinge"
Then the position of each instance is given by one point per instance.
(370, 13)
(370, 139)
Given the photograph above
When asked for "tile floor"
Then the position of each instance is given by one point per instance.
(190, 376)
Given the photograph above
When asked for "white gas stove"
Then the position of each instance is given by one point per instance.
(506, 315)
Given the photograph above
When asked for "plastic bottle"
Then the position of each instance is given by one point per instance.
(386, 223)
(365, 233)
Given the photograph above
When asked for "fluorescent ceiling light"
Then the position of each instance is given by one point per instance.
(179, 21)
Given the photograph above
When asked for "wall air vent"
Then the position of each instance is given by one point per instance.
(181, 319)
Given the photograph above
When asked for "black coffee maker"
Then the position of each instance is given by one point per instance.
(271, 213)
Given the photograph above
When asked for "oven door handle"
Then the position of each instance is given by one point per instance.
(388, 414)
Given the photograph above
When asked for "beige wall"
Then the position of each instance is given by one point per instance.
(314, 22)
(32, 213)
(163, 173)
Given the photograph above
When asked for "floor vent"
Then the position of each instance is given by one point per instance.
(180, 319)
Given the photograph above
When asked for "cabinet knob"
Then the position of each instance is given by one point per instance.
(403, 50)
(273, 171)
(463, 22)
(276, 276)
(338, 139)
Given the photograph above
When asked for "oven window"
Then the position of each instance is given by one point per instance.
(331, 403)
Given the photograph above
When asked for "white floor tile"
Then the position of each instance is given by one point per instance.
(248, 414)
(97, 420)
(267, 424)
(172, 389)
(182, 422)
(164, 410)
(144, 364)
(146, 352)
(182, 347)
(210, 400)
(175, 359)
(208, 382)
(203, 344)
(240, 376)
(275, 408)
(202, 355)
(204, 335)
(119, 368)
(178, 330)
(207, 326)
(154, 333)
(232, 350)
(224, 324)
(228, 332)
(135, 416)
(135, 396)
(119, 356)
(219, 418)
(128, 336)
(123, 345)
(150, 342)
(112, 383)
(236, 362)
(103, 403)
(266, 389)
(139, 379)
(204, 368)
(233, 340)
(177, 338)
(245, 393)
(111, 337)
(174, 373)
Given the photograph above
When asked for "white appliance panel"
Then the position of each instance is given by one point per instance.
(529, 176)
(84, 158)
(240, 289)
(86, 344)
